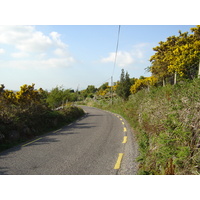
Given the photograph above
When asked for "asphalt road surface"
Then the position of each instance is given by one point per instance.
(100, 143)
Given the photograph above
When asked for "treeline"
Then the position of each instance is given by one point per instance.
(30, 112)
(59, 96)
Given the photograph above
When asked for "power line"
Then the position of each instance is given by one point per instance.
(114, 64)
(114, 60)
(116, 50)
(100, 83)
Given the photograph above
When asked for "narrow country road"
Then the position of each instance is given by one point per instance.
(100, 143)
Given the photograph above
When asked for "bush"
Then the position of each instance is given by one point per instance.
(29, 125)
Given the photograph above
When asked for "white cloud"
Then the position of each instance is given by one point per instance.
(56, 38)
(123, 58)
(42, 56)
(128, 58)
(36, 46)
(39, 64)
(138, 50)
(2, 51)
(138, 53)
(36, 43)
(61, 52)
(55, 35)
(24, 38)
(20, 55)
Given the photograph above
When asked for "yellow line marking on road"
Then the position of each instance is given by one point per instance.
(125, 139)
(31, 142)
(123, 123)
(57, 130)
(121, 119)
(125, 129)
(119, 160)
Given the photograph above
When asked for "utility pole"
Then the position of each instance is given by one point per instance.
(199, 70)
(175, 77)
(111, 90)
(77, 94)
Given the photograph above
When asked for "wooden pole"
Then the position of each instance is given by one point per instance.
(175, 75)
(111, 90)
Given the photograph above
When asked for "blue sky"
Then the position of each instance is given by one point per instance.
(76, 55)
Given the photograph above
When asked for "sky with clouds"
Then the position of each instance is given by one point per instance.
(75, 56)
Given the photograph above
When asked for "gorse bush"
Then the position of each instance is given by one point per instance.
(143, 83)
(177, 56)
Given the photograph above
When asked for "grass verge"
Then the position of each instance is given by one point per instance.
(167, 125)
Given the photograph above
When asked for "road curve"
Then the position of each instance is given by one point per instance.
(100, 143)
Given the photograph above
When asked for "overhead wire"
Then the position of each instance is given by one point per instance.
(116, 50)
(115, 64)
(100, 83)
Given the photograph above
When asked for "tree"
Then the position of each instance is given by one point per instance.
(177, 56)
(104, 86)
(162, 58)
(90, 91)
(123, 89)
(56, 97)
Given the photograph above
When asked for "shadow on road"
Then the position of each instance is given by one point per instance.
(92, 115)
(83, 125)
(49, 137)
(3, 170)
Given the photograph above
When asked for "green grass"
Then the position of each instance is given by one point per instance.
(166, 121)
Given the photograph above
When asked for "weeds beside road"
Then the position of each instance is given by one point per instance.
(167, 125)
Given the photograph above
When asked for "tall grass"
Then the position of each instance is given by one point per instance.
(166, 121)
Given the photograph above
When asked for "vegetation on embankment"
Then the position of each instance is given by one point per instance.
(167, 125)
(26, 114)
(166, 117)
